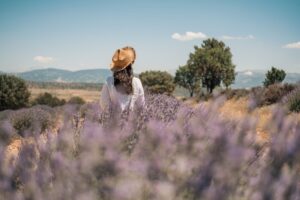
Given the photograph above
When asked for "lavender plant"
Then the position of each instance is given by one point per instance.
(292, 100)
(165, 151)
(32, 120)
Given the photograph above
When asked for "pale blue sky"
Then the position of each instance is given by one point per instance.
(83, 34)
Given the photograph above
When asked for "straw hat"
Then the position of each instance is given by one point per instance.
(122, 58)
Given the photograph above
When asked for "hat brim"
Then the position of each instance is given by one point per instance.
(115, 68)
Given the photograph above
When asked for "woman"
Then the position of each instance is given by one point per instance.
(122, 90)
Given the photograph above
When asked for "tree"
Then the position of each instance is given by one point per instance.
(157, 82)
(213, 64)
(185, 77)
(14, 93)
(274, 76)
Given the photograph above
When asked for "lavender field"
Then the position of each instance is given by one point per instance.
(168, 151)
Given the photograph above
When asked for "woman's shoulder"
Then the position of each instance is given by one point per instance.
(136, 80)
(109, 80)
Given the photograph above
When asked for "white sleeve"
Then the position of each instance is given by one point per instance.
(141, 96)
(104, 97)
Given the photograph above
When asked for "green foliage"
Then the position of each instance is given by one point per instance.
(229, 77)
(213, 64)
(14, 93)
(76, 100)
(185, 77)
(49, 100)
(158, 82)
(274, 76)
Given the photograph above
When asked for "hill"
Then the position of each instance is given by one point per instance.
(244, 79)
(59, 75)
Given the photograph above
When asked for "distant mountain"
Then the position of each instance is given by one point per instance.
(59, 75)
(253, 78)
(244, 79)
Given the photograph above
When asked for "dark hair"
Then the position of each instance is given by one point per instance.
(123, 80)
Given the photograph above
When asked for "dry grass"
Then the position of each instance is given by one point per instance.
(87, 95)
(237, 109)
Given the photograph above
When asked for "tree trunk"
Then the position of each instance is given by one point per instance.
(211, 89)
(191, 93)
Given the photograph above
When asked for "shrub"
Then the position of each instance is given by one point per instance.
(161, 107)
(274, 93)
(271, 94)
(292, 100)
(76, 100)
(157, 82)
(14, 93)
(32, 120)
(235, 93)
(49, 100)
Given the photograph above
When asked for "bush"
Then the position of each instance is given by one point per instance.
(275, 93)
(271, 94)
(292, 100)
(14, 93)
(235, 93)
(49, 100)
(32, 120)
(76, 100)
(157, 82)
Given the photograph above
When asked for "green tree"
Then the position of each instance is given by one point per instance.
(213, 63)
(14, 93)
(274, 76)
(185, 77)
(157, 82)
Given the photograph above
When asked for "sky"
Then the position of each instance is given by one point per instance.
(84, 34)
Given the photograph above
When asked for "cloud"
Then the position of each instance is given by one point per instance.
(188, 36)
(295, 45)
(248, 73)
(43, 59)
(248, 37)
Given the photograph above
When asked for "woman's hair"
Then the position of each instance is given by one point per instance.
(123, 80)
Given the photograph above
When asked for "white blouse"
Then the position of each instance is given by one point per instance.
(109, 95)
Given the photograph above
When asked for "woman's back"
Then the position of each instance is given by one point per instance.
(110, 95)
